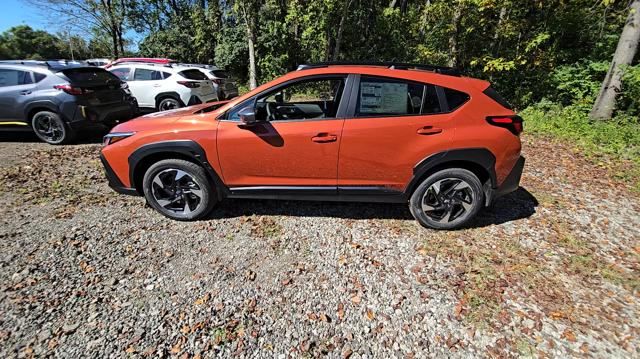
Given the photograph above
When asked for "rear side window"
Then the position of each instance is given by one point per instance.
(148, 75)
(220, 74)
(387, 97)
(123, 73)
(193, 75)
(89, 75)
(10, 77)
(495, 96)
(38, 76)
(455, 98)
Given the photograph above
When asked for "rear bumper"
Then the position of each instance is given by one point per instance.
(89, 116)
(512, 182)
(114, 181)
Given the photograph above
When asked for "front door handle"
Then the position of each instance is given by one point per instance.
(25, 92)
(324, 138)
(429, 130)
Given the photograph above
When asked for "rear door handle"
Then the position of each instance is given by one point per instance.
(25, 92)
(429, 130)
(324, 138)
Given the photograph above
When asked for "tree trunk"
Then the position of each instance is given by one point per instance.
(496, 34)
(345, 13)
(252, 59)
(114, 39)
(453, 37)
(626, 50)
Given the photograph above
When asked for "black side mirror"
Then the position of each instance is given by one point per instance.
(248, 116)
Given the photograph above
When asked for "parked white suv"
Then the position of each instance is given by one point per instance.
(165, 87)
(225, 87)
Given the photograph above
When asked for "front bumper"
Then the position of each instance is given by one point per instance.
(114, 181)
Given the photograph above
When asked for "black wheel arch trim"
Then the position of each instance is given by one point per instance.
(47, 105)
(186, 148)
(172, 94)
(481, 157)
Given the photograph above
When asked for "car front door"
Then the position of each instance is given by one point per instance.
(295, 145)
(391, 126)
(16, 86)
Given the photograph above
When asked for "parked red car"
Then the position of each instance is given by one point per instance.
(446, 144)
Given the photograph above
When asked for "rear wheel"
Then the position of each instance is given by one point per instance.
(168, 103)
(179, 189)
(50, 128)
(447, 199)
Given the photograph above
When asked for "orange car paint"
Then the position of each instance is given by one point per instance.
(366, 151)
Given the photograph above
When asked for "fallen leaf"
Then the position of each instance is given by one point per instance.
(370, 314)
(568, 335)
(340, 311)
(356, 299)
(130, 350)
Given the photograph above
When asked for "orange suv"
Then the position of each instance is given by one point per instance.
(366, 132)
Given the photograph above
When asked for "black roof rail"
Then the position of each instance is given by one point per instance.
(170, 64)
(203, 66)
(390, 64)
(47, 63)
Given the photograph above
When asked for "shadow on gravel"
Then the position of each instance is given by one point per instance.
(83, 137)
(517, 205)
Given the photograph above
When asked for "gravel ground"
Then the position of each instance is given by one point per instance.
(552, 270)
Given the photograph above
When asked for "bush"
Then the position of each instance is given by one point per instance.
(618, 138)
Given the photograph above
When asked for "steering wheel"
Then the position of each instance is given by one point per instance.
(271, 111)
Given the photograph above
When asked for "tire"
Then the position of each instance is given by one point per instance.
(50, 128)
(448, 199)
(179, 189)
(169, 103)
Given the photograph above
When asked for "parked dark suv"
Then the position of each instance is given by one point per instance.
(57, 99)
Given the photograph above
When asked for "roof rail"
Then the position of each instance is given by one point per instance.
(47, 63)
(392, 65)
(203, 66)
(142, 63)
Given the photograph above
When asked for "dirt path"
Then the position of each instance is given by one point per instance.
(551, 270)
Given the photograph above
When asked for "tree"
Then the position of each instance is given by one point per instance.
(104, 16)
(625, 51)
(22, 42)
(248, 11)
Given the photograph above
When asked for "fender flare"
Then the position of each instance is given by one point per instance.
(186, 148)
(480, 157)
(47, 104)
(171, 94)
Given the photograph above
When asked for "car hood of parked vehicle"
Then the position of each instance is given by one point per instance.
(162, 119)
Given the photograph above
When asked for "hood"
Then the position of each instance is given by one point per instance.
(160, 119)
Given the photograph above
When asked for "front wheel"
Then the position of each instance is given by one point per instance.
(447, 199)
(179, 189)
(50, 128)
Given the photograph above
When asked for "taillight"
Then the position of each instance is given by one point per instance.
(71, 90)
(217, 81)
(190, 84)
(511, 123)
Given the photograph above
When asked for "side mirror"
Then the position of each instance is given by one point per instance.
(248, 116)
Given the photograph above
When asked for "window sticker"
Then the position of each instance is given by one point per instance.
(383, 97)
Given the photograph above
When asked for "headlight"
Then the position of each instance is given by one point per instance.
(115, 137)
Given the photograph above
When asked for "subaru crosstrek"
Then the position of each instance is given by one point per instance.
(56, 99)
(446, 144)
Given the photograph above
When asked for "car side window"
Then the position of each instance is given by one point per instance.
(455, 98)
(307, 99)
(388, 97)
(9, 77)
(147, 75)
(123, 73)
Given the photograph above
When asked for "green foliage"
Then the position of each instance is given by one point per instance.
(22, 42)
(618, 139)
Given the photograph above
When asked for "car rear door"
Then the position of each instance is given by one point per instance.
(146, 84)
(391, 126)
(298, 153)
(16, 87)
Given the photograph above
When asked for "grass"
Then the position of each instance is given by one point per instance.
(616, 142)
